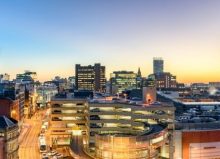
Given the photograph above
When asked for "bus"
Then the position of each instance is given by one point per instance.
(42, 144)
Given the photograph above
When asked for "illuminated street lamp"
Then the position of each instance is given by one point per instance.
(13, 114)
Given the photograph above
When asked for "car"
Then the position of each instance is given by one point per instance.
(92, 125)
(94, 117)
(83, 132)
(56, 119)
(95, 110)
(59, 155)
(44, 156)
(49, 154)
(155, 103)
(54, 153)
(80, 111)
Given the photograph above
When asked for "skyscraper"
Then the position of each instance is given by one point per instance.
(90, 77)
(158, 65)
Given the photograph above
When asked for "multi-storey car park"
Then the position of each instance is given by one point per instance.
(121, 130)
(67, 114)
(114, 129)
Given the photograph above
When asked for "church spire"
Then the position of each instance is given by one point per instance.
(139, 72)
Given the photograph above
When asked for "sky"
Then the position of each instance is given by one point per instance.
(51, 36)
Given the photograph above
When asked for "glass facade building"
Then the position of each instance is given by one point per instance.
(158, 65)
(123, 80)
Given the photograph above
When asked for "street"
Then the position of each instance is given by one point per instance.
(29, 148)
(29, 138)
(77, 147)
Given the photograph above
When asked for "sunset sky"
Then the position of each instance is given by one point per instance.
(51, 36)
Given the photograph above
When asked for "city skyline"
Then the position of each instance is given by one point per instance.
(50, 37)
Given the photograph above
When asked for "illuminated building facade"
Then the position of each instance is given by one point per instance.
(8, 138)
(149, 91)
(197, 140)
(164, 80)
(118, 130)
(11, 92)
(67, 115)
(90, 77)
(10, 108)
(26, 82)
(123, 80)
(45, 94)
(113, 130)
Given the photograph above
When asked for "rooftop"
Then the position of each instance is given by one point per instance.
(6, 122)
(174, 96)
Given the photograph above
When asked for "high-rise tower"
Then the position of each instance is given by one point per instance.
(158, 65)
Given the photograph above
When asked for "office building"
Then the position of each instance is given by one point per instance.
(214, 84)
(199, 86)
(122, 80)
(90, 77)
(26, 77)
(9, 108)
(11, 94)
(8, 138)
(45, 93)
(4, 78)
(26, 82)
(63, 84)
(158, 65)
(164, 80)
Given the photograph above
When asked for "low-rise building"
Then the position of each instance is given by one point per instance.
(197, 126)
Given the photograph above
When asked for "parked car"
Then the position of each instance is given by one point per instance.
(95, 110)
(94, 117)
